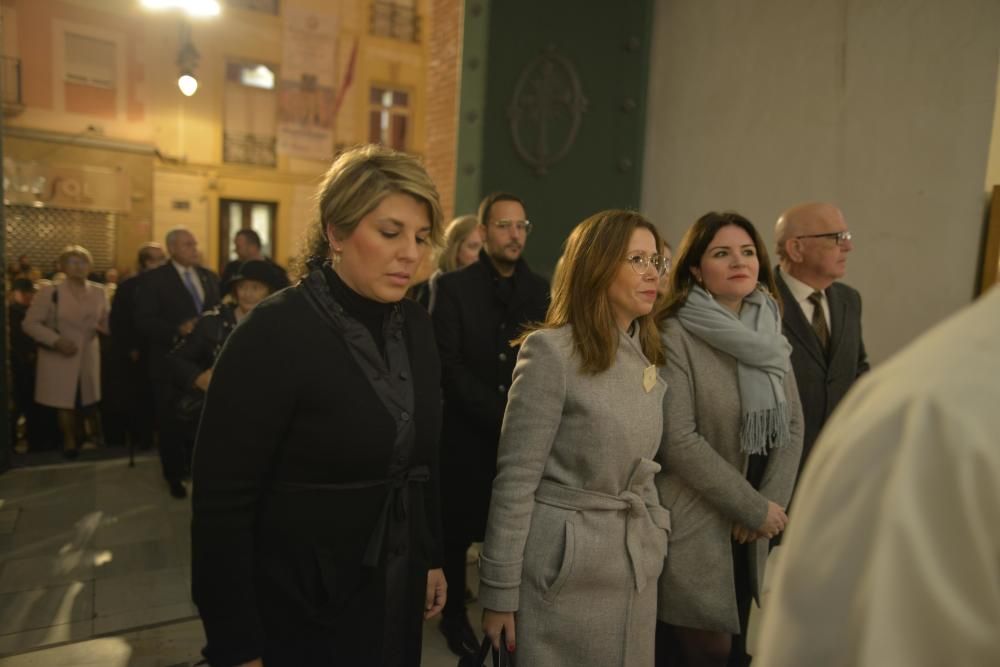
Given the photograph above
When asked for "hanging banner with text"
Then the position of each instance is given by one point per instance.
(306, 92)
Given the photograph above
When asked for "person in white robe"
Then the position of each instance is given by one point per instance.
(893, 557)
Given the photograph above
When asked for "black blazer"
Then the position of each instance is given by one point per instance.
(290, 483)
(824, 380)
(475, 318)
(163, 303)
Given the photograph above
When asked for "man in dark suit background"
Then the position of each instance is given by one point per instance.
(247, 245)
(131, 392)
(477, 311)
(168, 302)
(822, 317)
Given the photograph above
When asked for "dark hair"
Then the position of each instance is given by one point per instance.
(692, 248)
(490, 199)
(250, 235)
(593, 255)
(144, 252)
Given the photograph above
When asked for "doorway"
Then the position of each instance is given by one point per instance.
(237, 214)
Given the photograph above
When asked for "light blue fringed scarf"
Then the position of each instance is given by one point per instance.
(762, 354)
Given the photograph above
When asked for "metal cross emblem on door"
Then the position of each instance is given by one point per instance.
(546, 110)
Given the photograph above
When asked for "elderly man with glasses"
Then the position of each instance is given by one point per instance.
(822, 317)
(477, 311)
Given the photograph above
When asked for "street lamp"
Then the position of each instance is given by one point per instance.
(187, 61)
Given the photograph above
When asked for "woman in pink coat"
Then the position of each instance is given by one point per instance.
(65, 319)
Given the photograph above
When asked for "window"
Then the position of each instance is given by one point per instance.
(90, 61)
(235, 215)
(396, 19)
(251, 107)
(389, 118)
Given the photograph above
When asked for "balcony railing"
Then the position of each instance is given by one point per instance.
(266, 6)
(250, 149)
(395, 21)
(10, 81)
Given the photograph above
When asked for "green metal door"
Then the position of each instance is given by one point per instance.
(562, 94)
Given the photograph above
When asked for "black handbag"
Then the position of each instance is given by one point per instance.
(501, 658)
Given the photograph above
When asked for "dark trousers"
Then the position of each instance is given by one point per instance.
(141, 402)
(455, 549)
(175, 450)
(23, 393)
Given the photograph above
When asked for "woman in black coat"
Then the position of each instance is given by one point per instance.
(191, 361)
(316, 531)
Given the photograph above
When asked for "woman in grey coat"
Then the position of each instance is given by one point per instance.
(576, 535)
(732, 437)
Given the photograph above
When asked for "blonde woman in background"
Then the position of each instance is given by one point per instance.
(463, 240)
(64, 319)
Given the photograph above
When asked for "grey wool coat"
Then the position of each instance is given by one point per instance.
(576, 536)
(703, 482)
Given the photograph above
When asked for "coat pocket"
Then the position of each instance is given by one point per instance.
(565, 567)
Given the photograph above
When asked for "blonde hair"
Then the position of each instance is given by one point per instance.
(458, 230)
(354, 186)
(594, 253)
(74, 251)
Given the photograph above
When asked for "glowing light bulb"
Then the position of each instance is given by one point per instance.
(188, 84)
(194, 8)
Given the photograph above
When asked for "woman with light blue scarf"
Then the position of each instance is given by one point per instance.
(731, 442)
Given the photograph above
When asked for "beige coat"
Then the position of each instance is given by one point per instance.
(576, 535)
(77, 320)
(704, 485)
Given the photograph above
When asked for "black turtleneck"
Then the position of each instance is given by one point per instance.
(372, 314)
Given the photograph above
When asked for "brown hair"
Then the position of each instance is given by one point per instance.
(693, 246)
(593, 255)
(354, 186)
(493, 198)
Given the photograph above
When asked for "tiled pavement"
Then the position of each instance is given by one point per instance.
(95, 570)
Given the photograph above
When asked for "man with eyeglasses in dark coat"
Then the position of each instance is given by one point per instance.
(478, 310)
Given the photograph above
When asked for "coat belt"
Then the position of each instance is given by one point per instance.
(395, 502)
(643, 522)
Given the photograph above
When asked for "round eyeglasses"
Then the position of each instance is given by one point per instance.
(523, 226)
(640, 263)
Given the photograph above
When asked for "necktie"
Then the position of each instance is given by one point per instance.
(819, 320)
(189, 280)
